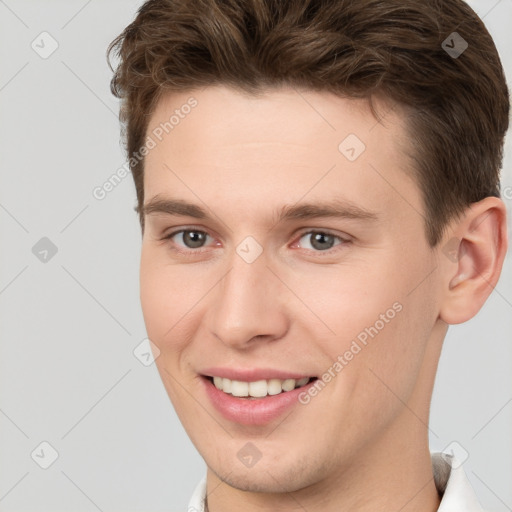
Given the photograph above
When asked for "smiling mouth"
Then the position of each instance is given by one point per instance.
(257, 389)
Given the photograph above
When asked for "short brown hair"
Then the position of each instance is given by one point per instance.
(458, 105)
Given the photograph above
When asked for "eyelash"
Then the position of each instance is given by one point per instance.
(193, 252)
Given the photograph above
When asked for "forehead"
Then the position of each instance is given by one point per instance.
(224, 145)
(308, 116)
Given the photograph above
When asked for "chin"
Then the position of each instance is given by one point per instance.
(269, 478)
(253, 482)
(259, 480)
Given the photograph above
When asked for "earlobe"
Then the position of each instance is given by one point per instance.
(472, 257)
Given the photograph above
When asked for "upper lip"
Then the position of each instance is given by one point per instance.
(252, 374)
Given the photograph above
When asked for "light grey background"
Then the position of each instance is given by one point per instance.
(68, 375)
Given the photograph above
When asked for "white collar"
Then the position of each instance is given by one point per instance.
(449, 476)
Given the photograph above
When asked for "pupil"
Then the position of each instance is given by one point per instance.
(319, 238)
(193, 239)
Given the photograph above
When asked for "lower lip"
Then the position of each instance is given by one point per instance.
(258, 411)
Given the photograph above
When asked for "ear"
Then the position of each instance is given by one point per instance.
(471, 257)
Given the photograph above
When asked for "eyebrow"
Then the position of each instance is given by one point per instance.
(330, 209)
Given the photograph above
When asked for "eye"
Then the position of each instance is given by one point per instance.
(193, 240)
(190, 238)
(320, 240)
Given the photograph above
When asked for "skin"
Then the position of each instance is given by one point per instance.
(361, 444)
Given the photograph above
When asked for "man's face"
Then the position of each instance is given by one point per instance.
(245, 295)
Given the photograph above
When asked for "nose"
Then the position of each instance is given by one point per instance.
(249, 305)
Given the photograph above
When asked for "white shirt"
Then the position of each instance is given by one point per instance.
(449, 476)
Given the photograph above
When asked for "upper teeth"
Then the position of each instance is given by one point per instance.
(259, 388)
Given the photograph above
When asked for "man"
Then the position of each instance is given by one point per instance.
(318, 191)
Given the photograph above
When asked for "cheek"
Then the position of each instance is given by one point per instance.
(346, 301)
(166, 296)
(372, 322)
(169, 300)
